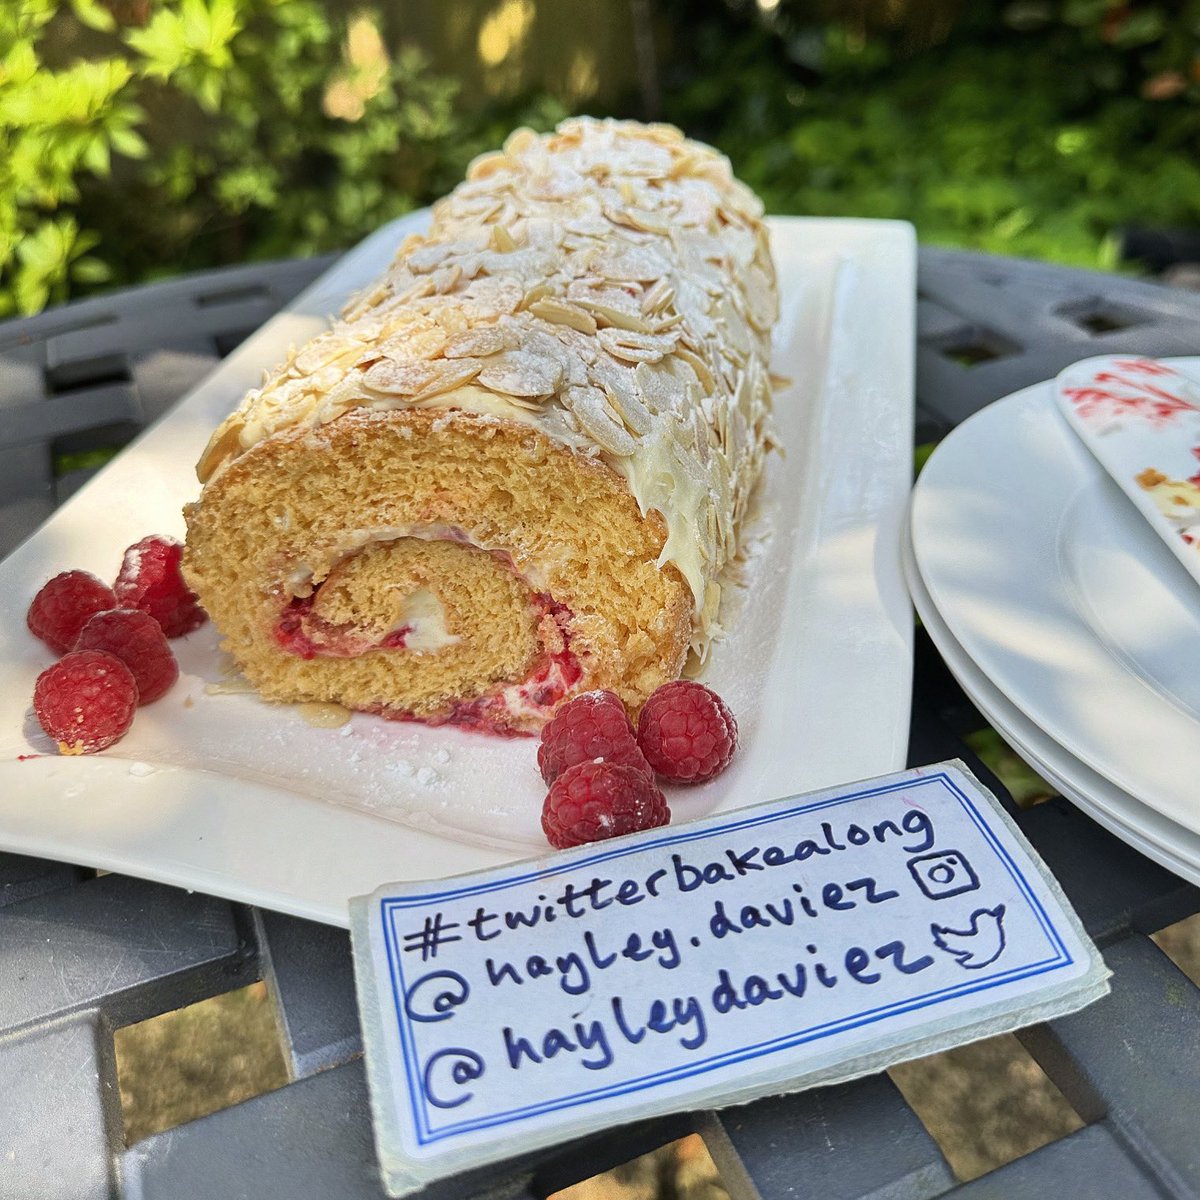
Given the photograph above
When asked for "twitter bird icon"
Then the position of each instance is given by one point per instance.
(978, 945)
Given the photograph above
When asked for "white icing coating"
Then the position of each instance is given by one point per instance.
(610, 284)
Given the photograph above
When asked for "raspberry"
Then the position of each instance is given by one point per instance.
(149, 579)
(137, 639)
(686, 732)
(592, 801)
(85, 701)
(590, 726)
(61, 609)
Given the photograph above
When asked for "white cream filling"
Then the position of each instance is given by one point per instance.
(516, 699)
(299, 581)
(425, 616)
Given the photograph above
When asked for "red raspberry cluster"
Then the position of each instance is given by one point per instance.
(113, 642)
(601, 772)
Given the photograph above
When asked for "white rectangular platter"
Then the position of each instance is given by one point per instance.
(222, 793)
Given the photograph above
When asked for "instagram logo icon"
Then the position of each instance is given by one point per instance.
(943, 873)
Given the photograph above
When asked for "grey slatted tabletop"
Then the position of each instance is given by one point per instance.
(82, 955)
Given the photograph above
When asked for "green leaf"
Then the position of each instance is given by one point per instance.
(94, 16)
(208, 91)
(96, 157)
(45, 250)
(1085, 12)
(1141, 28)
(161, 42)
(91, 270)
(83, 460)
(20, 64)
(30, 291)
(245, 187)
(43, 258)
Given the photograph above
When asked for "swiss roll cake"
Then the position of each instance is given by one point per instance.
(517, 466)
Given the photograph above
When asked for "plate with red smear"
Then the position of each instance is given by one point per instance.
(1056, 588)
(215, 790)
(1141, 419)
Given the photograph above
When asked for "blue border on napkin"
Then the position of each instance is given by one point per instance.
(426, 1134)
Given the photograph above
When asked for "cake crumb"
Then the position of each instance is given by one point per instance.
(442, 756)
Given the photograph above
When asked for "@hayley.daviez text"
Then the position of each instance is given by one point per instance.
(693, 954)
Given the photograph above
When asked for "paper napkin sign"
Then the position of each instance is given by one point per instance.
(1141, 419)
(803, 941)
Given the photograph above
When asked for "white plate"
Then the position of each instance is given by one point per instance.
(1166, 843)
(229, 795)
(1064, 599)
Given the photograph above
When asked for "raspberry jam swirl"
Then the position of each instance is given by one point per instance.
(508, 710)
(302, 632)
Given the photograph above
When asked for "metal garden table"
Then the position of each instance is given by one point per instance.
(81, 955)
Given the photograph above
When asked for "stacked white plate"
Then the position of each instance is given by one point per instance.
(1068, 622)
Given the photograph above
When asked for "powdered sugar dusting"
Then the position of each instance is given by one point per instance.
(464, 785)
(461, 784)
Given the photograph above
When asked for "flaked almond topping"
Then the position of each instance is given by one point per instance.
(448, 375)
(369, 299)
(637, 263)
(561, 312)
(595, 416)
(487, 165)
(609, 314)
(637, 218)
(657, 296)
(502, 240)
(423, 259)
(399, 378)
(490, 298)
(700, 368)
(659, 391)
(481, 341)
(446, 279)
(415, 290)
(610, 284)
(521, 373)
(631, 410)
(636, 347)
(224, 443)
(415, 343)
(539, 291)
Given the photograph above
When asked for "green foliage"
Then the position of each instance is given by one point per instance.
(1034, 129)
(147, 137)
(213, 130)
(55, 124)
(191, 46)
(305, 134)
